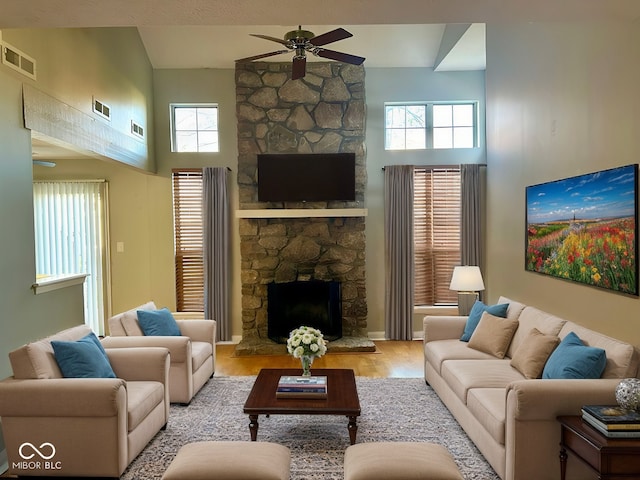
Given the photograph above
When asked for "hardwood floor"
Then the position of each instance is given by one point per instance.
(391, 359)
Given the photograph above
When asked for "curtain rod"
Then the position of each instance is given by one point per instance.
(195, 169)
(440, 166)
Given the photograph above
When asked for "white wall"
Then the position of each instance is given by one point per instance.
(562, 100)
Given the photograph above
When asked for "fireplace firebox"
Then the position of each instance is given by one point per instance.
(314, 303)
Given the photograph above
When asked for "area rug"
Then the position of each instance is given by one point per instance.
(393, 409)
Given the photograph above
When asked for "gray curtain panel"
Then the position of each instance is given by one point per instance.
(471, 216)
(399, 251)
(215, 197)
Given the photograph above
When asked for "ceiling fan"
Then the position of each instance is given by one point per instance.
(303, 41)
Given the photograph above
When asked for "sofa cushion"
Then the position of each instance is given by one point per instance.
(532, 354)
(440, 350)
(475, 315)
(200, 352)
(493, 334)
(488, 406)
(533, 318)
(84, 358)
(36, 359)
(142, 398)
(573, 359)
(622, 360)
(158, 323)
(515, 308)
(126, 323)
(463, 375)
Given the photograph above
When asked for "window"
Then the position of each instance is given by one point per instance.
(194, 128)
(423, 126)
(188, 232)
(70, 231)
(437, 216)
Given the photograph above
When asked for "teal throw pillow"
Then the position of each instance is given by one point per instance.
(84, 358)
(94, 339)
(158, 323)
(475, 315)
(573, 359)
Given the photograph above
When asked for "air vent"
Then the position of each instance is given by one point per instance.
(102, 109)
(19, 61)
(137, 129)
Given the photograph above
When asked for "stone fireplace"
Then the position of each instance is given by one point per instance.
(324, 112)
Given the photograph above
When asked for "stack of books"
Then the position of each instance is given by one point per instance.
(613, 420)
(302, 387)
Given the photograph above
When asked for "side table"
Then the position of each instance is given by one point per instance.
(610, 458)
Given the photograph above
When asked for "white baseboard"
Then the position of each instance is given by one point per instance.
(382, 336)
(376, 335)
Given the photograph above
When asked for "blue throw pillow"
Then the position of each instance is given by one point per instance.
(475, 315)
(158, 323)
(84, 358)
(94, 339)
(573, 359)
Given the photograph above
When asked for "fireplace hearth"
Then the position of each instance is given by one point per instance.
(313, 303)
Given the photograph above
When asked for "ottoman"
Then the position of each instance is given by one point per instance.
(399, 460)
(230, 461)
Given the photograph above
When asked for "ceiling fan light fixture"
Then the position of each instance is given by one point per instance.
(303, 41)
(299, 35)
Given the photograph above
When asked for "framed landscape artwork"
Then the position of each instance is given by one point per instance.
(584, 229)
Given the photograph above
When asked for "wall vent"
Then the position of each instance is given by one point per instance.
(137, 130)
(19, 61)
(102, 109)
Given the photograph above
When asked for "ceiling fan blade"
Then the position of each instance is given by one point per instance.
(329, 37)
(339, 56)
(286, 43)
(264, 55)
(299, 68)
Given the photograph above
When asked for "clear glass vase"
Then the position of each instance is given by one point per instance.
(306, 361)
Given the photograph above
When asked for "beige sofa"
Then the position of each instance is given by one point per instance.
(81, 427)
(512, 419)
(193, 354)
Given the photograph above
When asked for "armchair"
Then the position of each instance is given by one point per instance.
(192, 353)
(81, 427)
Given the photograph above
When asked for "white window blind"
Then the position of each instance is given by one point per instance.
(188, 232)
(69, 237)
(437, 218)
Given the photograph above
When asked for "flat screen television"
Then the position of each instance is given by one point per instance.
(312, 177)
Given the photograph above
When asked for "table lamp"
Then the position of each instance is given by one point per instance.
(467, 281)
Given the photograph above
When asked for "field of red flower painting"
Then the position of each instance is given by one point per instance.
(596, 253)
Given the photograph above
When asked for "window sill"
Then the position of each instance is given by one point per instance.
(435, 310)
(48, 283)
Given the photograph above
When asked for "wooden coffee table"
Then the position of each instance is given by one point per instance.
(342, 398)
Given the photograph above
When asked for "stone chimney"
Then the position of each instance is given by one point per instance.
(324, 112)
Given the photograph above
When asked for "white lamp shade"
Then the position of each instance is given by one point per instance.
(466, 279)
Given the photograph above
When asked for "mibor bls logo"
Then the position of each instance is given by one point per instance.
(37, 458)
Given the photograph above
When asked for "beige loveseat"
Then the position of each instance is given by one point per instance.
(512, 419)
(81, 427)
(193, 353)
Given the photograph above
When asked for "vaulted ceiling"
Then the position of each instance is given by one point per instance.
(443, 34)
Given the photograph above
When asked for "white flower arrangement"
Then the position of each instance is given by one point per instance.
(306, 341)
